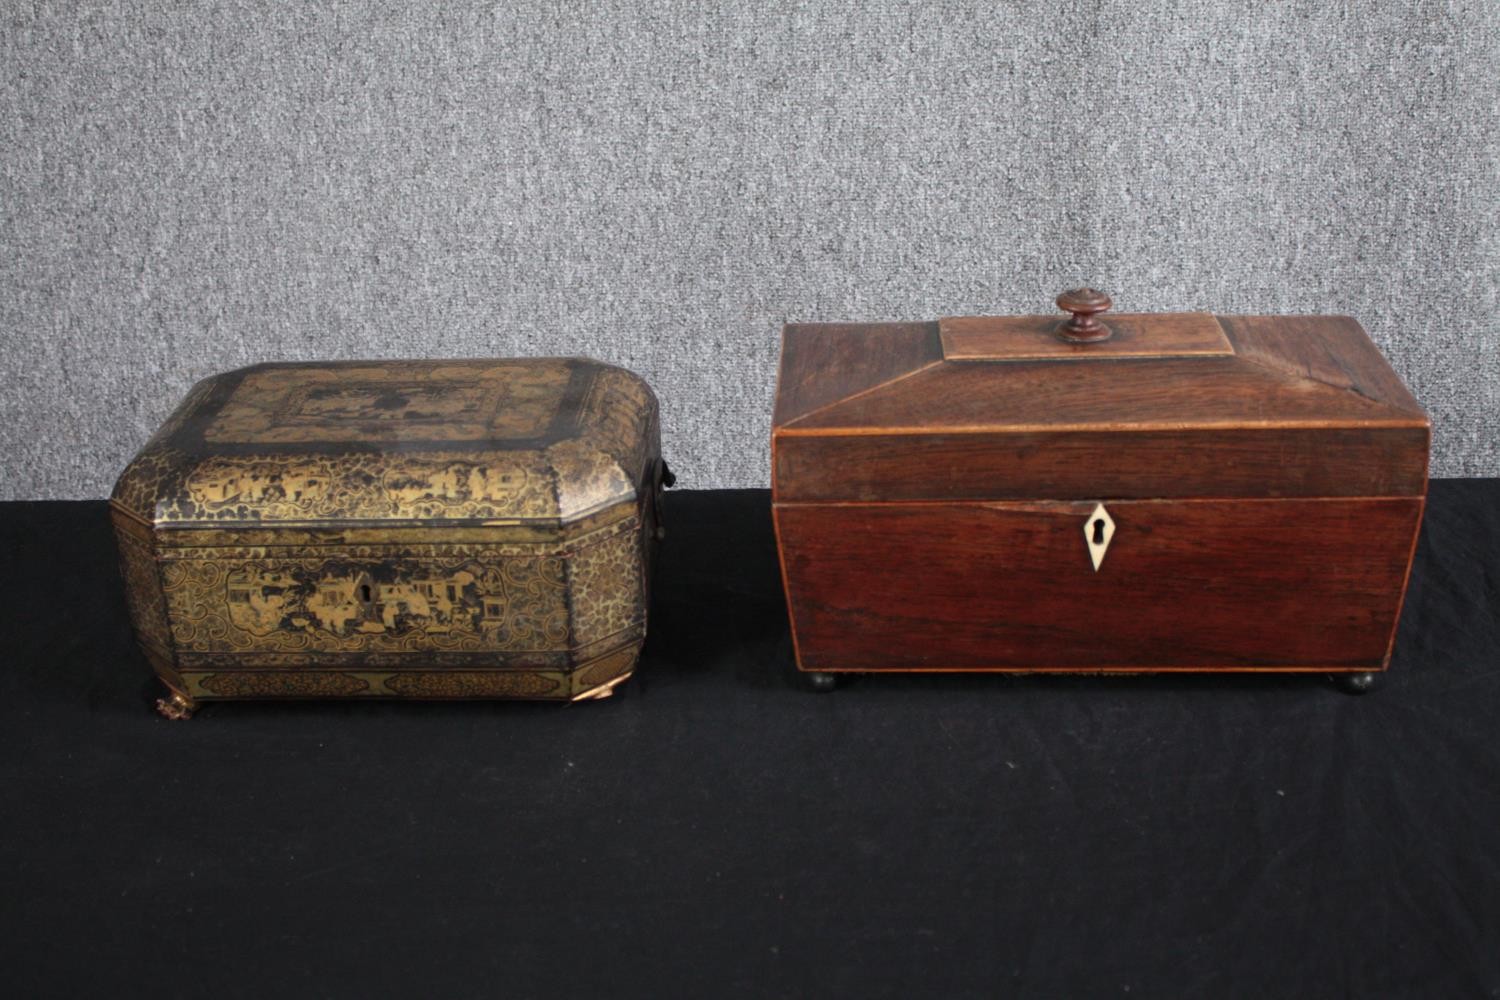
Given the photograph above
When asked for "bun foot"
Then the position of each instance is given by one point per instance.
(821, 682)
(175, 706)
(1355, 683)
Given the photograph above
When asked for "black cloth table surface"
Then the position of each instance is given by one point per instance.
(717, 830)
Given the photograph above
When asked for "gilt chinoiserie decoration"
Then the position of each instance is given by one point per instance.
(417, 529)
(1095, 492)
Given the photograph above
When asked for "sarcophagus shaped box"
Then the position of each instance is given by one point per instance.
(1127, 493)
(419, 529)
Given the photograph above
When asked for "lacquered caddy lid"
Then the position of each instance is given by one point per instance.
(1096, 405)
(543, 441)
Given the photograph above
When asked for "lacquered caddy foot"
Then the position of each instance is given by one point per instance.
(605, 690)
(1355, 683)
(176, 706)
(820, 682)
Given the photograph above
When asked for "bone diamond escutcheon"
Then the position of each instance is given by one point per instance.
(1097, 531)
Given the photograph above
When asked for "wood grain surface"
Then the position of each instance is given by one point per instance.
(930, 509)
(1102, 463)
(1252, 584)
(1305, 407)
(1021, 338)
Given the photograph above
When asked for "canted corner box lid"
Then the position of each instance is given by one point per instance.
(545, 441)
(1173, 405)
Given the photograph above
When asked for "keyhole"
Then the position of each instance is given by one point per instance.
(1099, 531)
(364, 592)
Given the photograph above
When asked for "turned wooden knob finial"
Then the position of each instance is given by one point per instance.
(1085, 304)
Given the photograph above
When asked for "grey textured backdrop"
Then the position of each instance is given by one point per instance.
(190, 190)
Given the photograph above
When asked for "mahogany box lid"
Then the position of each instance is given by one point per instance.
(1122, 405)
(543, 441)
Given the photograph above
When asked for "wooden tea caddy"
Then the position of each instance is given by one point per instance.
(1132, 493)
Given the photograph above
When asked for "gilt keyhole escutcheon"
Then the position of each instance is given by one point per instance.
(1098, 531)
